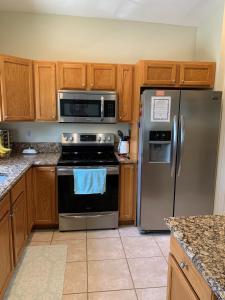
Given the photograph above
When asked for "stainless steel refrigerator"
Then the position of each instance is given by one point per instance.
(178, 146)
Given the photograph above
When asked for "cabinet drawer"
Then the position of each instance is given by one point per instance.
(18, 188)
(4, 206)
(197, 282)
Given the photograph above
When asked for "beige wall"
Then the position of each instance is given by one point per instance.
(210, 45)
(90, 39)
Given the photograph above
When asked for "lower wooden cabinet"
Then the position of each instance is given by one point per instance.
(184, 281)
(6, 251)
(179, 287)
(127, 193)
(19, 225)
(45, 196)
(30, 200)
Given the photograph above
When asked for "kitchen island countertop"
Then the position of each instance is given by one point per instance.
(17, 164)
(203, 240)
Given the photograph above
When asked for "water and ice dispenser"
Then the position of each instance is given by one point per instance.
(160, 146)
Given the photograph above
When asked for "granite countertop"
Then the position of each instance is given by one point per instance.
(124, 160)
(203, 240)
(16, 165)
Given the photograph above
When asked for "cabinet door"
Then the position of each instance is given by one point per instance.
(19, 222)
(72, 75)
(102, 76)
(45, 90)
(45, 195)
(125, 91)
(159, 73)
(178, 285)
(127, 192)
(197, 74)
(30, 205)
(16, 89)
(6, 253)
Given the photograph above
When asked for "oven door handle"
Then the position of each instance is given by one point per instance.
(85, 216)
(102, 107)
(68, 171)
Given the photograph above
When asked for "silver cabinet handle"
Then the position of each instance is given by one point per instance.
(182, 137)
(182, 265)
(174, 146)
(102, 108)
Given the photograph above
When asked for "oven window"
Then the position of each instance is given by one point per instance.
(80, 108)
(71, 203)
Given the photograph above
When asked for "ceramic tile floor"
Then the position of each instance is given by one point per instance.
(111, 264)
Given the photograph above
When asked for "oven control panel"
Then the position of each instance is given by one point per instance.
(88, 138)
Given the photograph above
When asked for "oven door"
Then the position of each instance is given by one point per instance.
(68, 202)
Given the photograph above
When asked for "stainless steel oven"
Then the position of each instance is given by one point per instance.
(87, 211)
(96, 211)
(87, 106)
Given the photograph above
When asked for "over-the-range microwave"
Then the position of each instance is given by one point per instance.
(87, 106)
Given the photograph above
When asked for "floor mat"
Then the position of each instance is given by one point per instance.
(40, 274)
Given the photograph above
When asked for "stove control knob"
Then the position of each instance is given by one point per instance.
(99, 139)
(109, 138)
(104, 139)
(66, 138)
(70, 138)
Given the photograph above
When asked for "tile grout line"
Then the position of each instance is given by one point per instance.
(161, 251)
(87, 262)
(129, 268)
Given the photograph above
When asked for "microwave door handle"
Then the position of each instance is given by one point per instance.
(102, 108)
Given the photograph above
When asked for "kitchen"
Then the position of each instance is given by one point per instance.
(45, 49)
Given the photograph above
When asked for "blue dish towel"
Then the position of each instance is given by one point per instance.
(89, 181)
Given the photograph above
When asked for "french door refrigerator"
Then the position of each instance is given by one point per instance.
(178, 146)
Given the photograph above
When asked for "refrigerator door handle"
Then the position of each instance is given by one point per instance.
(182, 137)
(174, 146)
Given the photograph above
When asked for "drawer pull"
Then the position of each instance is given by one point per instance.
(182, 265)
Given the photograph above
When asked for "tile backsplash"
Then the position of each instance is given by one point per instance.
(36, 132)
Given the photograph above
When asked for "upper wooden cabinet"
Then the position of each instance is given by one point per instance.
(72, 75)
(81, 76)
(102, 76)
(158, 73)
(16, 89)
(197, 74)
(45, 90)
(125, 91)
(176, 74)
(45, 195)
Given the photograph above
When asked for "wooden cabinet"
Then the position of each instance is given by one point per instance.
(6, 251)
(19, 217)
(158, 73)
(19, 225)
(179, 287)
(176, 74)
(125, 91)
(197, 74)
(184, 281)
(102, 76)
(127, 193)
(45, 196)
(45, 90)
(16, 89)
(72, 75)
(30, 197)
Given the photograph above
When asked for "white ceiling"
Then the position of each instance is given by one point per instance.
(178, 12)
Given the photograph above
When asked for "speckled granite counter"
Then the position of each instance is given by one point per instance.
(203, 240)
(125, 160)
(17, 165)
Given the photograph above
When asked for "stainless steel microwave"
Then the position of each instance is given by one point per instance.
(87, 106)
